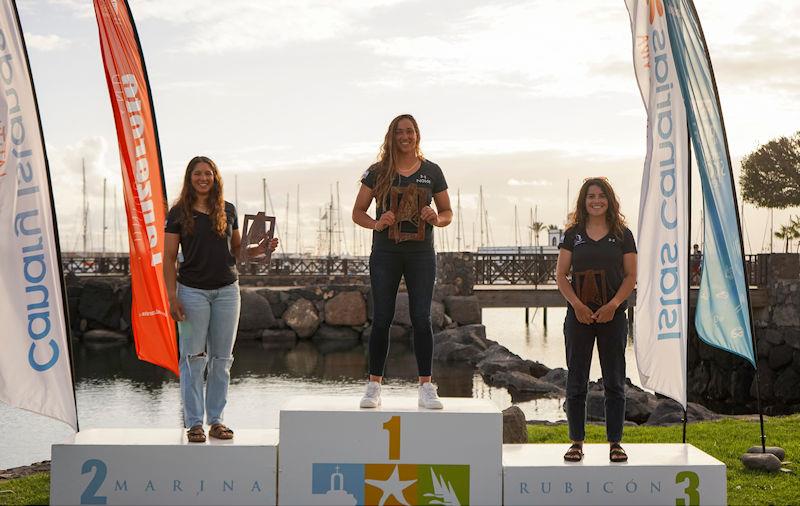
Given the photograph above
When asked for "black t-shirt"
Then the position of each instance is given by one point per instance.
(208, 263)
(605, 255)
(430, 179)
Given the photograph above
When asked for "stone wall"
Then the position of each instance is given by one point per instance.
(727, 383)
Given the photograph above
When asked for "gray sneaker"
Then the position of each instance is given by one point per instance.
(372, 397)
(428, 398)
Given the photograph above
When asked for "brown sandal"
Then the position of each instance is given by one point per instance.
(219, 431)
(575, 453)
(196, 434)
(616, 453)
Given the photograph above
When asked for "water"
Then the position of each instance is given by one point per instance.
(115, 389)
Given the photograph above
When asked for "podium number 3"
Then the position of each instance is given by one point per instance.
(393, 427)
(691, 488)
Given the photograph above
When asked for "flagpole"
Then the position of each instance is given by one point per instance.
(690, 4)
(70, 353)
(689, 274)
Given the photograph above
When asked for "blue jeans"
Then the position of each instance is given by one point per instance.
(206, 341)
(611, 340)
(385, 270)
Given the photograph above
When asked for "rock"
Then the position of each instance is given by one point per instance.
(295, 294)
(328, 332)
(346, 308)
(437, 315)
(779, 452)
(256, 313)
(772, 336)
(668, 411)
(524, 383)
(104, 336)
(302, 317)
(464, 310)
(366, 333)
(498, 358)
(785, 315)
(639, 404)
(557, 377)
(248, 335)
(762, 347)
(765, 381)
(402, 313)
(277, 300)
(474, 335)
(440, 291)
(786, 386)
(761, 461)
(398, 333)
(453, 351)
(99, 303)
(780, 356)
(595, 405)
(515, 430)
(791, 337)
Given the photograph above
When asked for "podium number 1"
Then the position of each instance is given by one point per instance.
(393, 427)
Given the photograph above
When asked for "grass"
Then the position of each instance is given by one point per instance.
(724, 439)
(33, 489)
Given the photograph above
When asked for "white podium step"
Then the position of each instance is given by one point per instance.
(333, 452)
(159, 466)
(654, 474)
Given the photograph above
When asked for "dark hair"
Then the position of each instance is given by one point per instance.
(188, 197)
(614, 218)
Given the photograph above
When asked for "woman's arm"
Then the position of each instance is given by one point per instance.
(443, 214)
(236, 243)
(360, 216)
(606, 313)
(563, 267)
(171, 243)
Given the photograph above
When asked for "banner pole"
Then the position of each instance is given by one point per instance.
(689, 263)
(64, 297)
(690, 3)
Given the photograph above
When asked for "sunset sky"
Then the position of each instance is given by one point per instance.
(521, 97)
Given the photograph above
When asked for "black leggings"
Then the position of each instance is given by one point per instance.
(385, 270)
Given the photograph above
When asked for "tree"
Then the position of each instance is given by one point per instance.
(771, 174)
(536, 227)
(789, 232)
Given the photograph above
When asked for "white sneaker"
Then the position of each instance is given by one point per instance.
(372, 398)
(428, 398)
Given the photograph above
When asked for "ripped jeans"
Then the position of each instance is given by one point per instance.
(206, 341)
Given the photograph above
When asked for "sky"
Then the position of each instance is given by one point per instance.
(523, 99)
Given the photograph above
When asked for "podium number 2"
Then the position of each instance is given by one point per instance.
(89, 496)
(393, 428)
(691, 488)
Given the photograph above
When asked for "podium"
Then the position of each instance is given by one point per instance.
(158, 466)
(333, 452)
(654, 474)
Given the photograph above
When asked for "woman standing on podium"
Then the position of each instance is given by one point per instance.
(401, 165)
(204, 293)
(599, 250)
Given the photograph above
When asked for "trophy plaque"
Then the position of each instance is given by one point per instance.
(406, 203)
(591, 287)
(257, 228)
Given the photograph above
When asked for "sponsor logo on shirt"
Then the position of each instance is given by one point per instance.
(578, 240)
(424, 179)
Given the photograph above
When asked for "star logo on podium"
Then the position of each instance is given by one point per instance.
(392, 487)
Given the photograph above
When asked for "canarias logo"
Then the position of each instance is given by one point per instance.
(655, 6)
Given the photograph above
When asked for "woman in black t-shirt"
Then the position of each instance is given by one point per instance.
(599, 251)
(204, 293)
(400, 165)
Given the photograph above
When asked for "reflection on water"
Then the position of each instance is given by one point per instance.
(115, 389)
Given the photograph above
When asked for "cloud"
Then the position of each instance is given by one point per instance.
(51, 42)
(522, 182)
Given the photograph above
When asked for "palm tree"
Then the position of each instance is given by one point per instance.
(536, 227)
(788, 232)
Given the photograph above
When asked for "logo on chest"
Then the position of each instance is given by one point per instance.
(578, 240)
(423, 179)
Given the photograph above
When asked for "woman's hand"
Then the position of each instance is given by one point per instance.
(176, 310)
(583, 314)
(387, 219)
(428, 214)
(605, 313)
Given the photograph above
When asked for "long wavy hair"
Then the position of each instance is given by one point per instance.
(216, 202)
(385, 166)
(614, 218)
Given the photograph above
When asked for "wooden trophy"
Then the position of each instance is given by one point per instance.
(406, 203)
(257, 228)
(591, 287)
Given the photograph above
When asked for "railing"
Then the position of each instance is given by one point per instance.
(540, 269)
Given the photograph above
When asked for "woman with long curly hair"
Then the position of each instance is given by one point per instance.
(599, 252)
(400, 164)
(204, 293)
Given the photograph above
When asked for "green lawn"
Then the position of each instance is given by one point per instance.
(724, 439)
